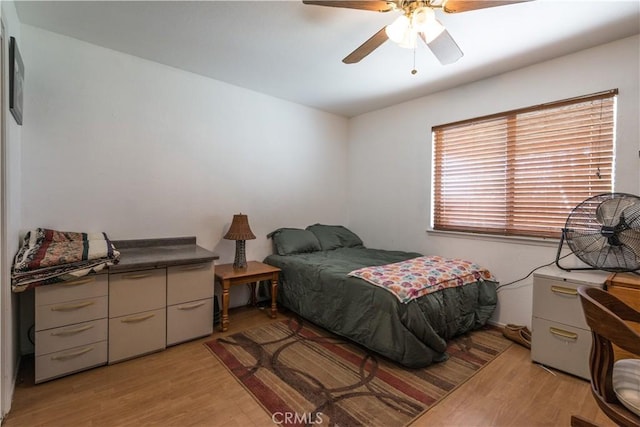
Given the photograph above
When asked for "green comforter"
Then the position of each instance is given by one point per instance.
(316, 286)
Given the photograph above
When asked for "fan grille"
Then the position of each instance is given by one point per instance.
(604, 232)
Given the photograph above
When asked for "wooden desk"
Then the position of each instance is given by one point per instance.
(626, 287)
(255, 272)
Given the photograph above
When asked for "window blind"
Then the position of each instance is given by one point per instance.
(522, 172)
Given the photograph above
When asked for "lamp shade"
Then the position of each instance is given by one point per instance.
(239, 229)
(397, 29)
(402, 32)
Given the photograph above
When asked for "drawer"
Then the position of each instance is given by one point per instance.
(52, 340)
(70, 312)
(137, 334)
(558, 300)
(85, 287)
(189, 282)
(561, 346)
(66, 362)
(137, 291)
(189, 320)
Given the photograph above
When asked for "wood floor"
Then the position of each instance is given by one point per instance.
(186, 386)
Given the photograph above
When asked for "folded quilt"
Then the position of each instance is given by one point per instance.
(416, 277)
(49, 256)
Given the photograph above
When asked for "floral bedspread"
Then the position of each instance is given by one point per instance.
(416, 277)
(48, 256)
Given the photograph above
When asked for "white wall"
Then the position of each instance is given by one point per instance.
(136, 149)
(141, 150)
(390, 159)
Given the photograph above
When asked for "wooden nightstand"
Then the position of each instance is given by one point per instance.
(255, 272)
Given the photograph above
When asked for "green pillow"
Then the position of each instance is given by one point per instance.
(287, 241)
(335, 236)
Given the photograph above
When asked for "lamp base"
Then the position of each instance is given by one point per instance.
(240, 261)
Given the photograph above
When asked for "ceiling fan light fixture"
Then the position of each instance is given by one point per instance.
(421, 18)
(402, 33)
(418, 20)
(409, 41)
(396, 31)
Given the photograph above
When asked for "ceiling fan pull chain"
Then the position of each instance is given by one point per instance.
(414, 71)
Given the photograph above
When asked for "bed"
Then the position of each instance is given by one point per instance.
(324, 276)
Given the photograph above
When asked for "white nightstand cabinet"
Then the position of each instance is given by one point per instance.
(561, 337)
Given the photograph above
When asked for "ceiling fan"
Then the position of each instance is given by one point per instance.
(418, 20)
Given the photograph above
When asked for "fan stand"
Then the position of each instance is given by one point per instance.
(564, 230)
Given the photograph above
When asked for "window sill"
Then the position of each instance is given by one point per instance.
(531, 241)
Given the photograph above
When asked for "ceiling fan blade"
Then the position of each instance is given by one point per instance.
(367, 47)
(373, 5)
(444, 47)
(457, 6)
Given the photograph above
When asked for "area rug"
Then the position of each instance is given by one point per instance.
(304, 375)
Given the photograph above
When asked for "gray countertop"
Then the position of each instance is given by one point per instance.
(157, 253)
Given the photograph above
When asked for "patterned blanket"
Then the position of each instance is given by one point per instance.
(48, 256)
(416, 277)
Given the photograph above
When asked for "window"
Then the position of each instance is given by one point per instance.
(521, 173)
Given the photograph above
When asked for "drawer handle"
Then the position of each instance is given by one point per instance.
(193, 267)
(79, 282)
(72, 354)
(137, 276)
(71, 307)
(71, 331)
(191, 306)
(138, 318)
(564, 291)
(562, 333)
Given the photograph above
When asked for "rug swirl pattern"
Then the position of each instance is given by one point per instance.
(304, 375)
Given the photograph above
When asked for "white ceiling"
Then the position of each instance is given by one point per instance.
(294, 51)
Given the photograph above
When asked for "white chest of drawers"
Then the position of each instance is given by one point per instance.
(560, 336)
(71, 327)
(159, 294)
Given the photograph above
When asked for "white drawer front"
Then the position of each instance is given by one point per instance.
(91, 286)
(72, 360)
(561, 346)
(137, 291)
(189, 320)
(189, 282)
(137, 334)
(558, 300)
(70, 312)
(52, 340)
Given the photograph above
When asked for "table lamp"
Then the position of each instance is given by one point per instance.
(240, 231)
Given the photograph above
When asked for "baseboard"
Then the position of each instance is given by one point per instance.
(11, 390)
(501, 325)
